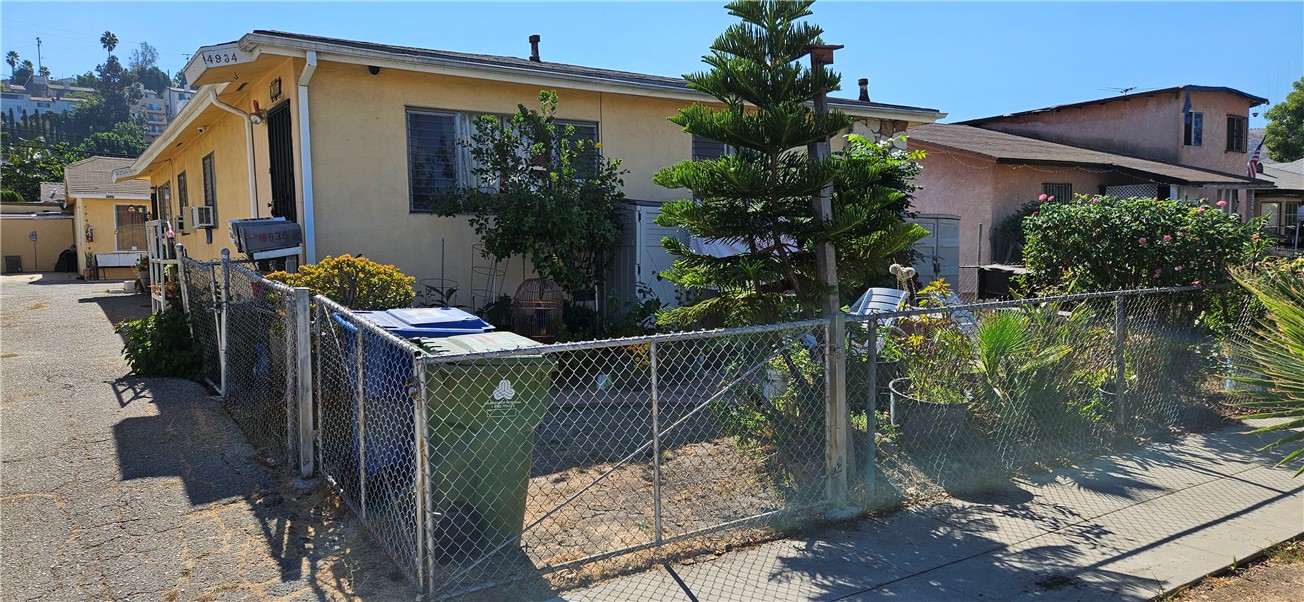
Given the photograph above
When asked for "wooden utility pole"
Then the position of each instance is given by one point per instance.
(837, 420)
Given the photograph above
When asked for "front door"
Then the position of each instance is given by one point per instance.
(280, 148)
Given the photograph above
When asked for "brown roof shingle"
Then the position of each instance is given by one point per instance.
(93, 177)
(1008, 148)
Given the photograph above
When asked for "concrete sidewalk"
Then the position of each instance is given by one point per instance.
(1128, 527)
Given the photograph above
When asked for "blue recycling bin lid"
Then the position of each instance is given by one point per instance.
(430, 322)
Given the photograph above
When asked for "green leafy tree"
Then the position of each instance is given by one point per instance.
(126, 139)
(542, 192)
(179, 79)
(760, 197)
(1284, 135)
(27, 163)
(142, 58)
(152, 78)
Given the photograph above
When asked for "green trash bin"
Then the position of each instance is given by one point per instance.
(482, 416)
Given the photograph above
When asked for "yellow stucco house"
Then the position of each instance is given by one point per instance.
(326, 132)
(109, 217)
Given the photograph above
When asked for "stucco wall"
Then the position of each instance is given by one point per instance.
(99, 214)
(1149, 126)
(53, 235)
(961, 185)
(224, 134)
(360, 162)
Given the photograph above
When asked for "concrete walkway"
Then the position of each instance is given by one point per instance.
(121, 488)
(1125, 528)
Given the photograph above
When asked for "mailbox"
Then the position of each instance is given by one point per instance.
(265, 238)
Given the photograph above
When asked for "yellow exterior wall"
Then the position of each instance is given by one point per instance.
(360, 161)
(53, 235)
(99, 215)
(225, 135)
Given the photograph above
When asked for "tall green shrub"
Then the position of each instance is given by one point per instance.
(1101, 243)
(760, 197)
(160, 345)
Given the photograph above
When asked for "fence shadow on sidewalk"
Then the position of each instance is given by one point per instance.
(318, 549)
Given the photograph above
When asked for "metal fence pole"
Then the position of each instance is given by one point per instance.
(224, 305)
(656, 447)
(316, 381)
(420, 423)
(362, 425)
(871, 408)
(303, 380)
(1120, 364)
(183, 281)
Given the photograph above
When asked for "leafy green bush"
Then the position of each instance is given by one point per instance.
(160, 345)
(354, 282)
(1105, 243)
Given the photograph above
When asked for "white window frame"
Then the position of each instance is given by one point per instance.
(118, 227)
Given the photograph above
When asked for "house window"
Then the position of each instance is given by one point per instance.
(129, 226)
(1061, 192)
(163, 202)
(210, 184)
(183, 202)
(588, 163)
(1194, 131)
(706, 149)
(432, 157)
(1236, 133)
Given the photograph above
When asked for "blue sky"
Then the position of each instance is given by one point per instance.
(969, 59)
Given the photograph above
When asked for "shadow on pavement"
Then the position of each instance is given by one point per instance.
(315, 543)
(121, 307)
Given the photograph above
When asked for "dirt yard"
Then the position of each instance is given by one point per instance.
(1277, 577)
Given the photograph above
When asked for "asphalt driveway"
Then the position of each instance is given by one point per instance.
(124, 488)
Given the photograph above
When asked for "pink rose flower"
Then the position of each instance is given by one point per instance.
(1221, 204)
(1050, 198)
(1041, 198)
(1159, 271)
(1095, 199)
(1035, 212)
(1168, 238)
(1201, 210)
(1195, 283)
(1141, 241)
(1178, 268)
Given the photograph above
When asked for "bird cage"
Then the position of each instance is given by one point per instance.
(536, 309)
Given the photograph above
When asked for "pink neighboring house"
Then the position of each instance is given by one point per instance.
(1145, 144)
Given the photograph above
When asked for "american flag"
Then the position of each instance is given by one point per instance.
(1254, 161)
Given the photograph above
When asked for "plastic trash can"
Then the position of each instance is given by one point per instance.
(387, 382)
(482, 413)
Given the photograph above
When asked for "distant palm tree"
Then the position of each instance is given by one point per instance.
(109, 41)
(12, 59)
(45, 71)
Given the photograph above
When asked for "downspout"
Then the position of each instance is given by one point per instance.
(249, 153)
(305, 152)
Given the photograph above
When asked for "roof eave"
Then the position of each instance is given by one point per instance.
(258, 44)
(193, 109)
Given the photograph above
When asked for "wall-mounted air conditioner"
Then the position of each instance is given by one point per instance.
(201, 216)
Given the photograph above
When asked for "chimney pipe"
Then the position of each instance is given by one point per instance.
(534, 48)
(1258, 167)
(864, 89)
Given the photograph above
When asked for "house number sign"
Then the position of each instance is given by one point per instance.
(225, 55)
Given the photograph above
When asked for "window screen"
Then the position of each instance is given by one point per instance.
(432, 157)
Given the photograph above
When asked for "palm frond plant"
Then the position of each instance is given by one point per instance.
(1274, 353)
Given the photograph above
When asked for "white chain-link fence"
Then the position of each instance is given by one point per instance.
(488, 462)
